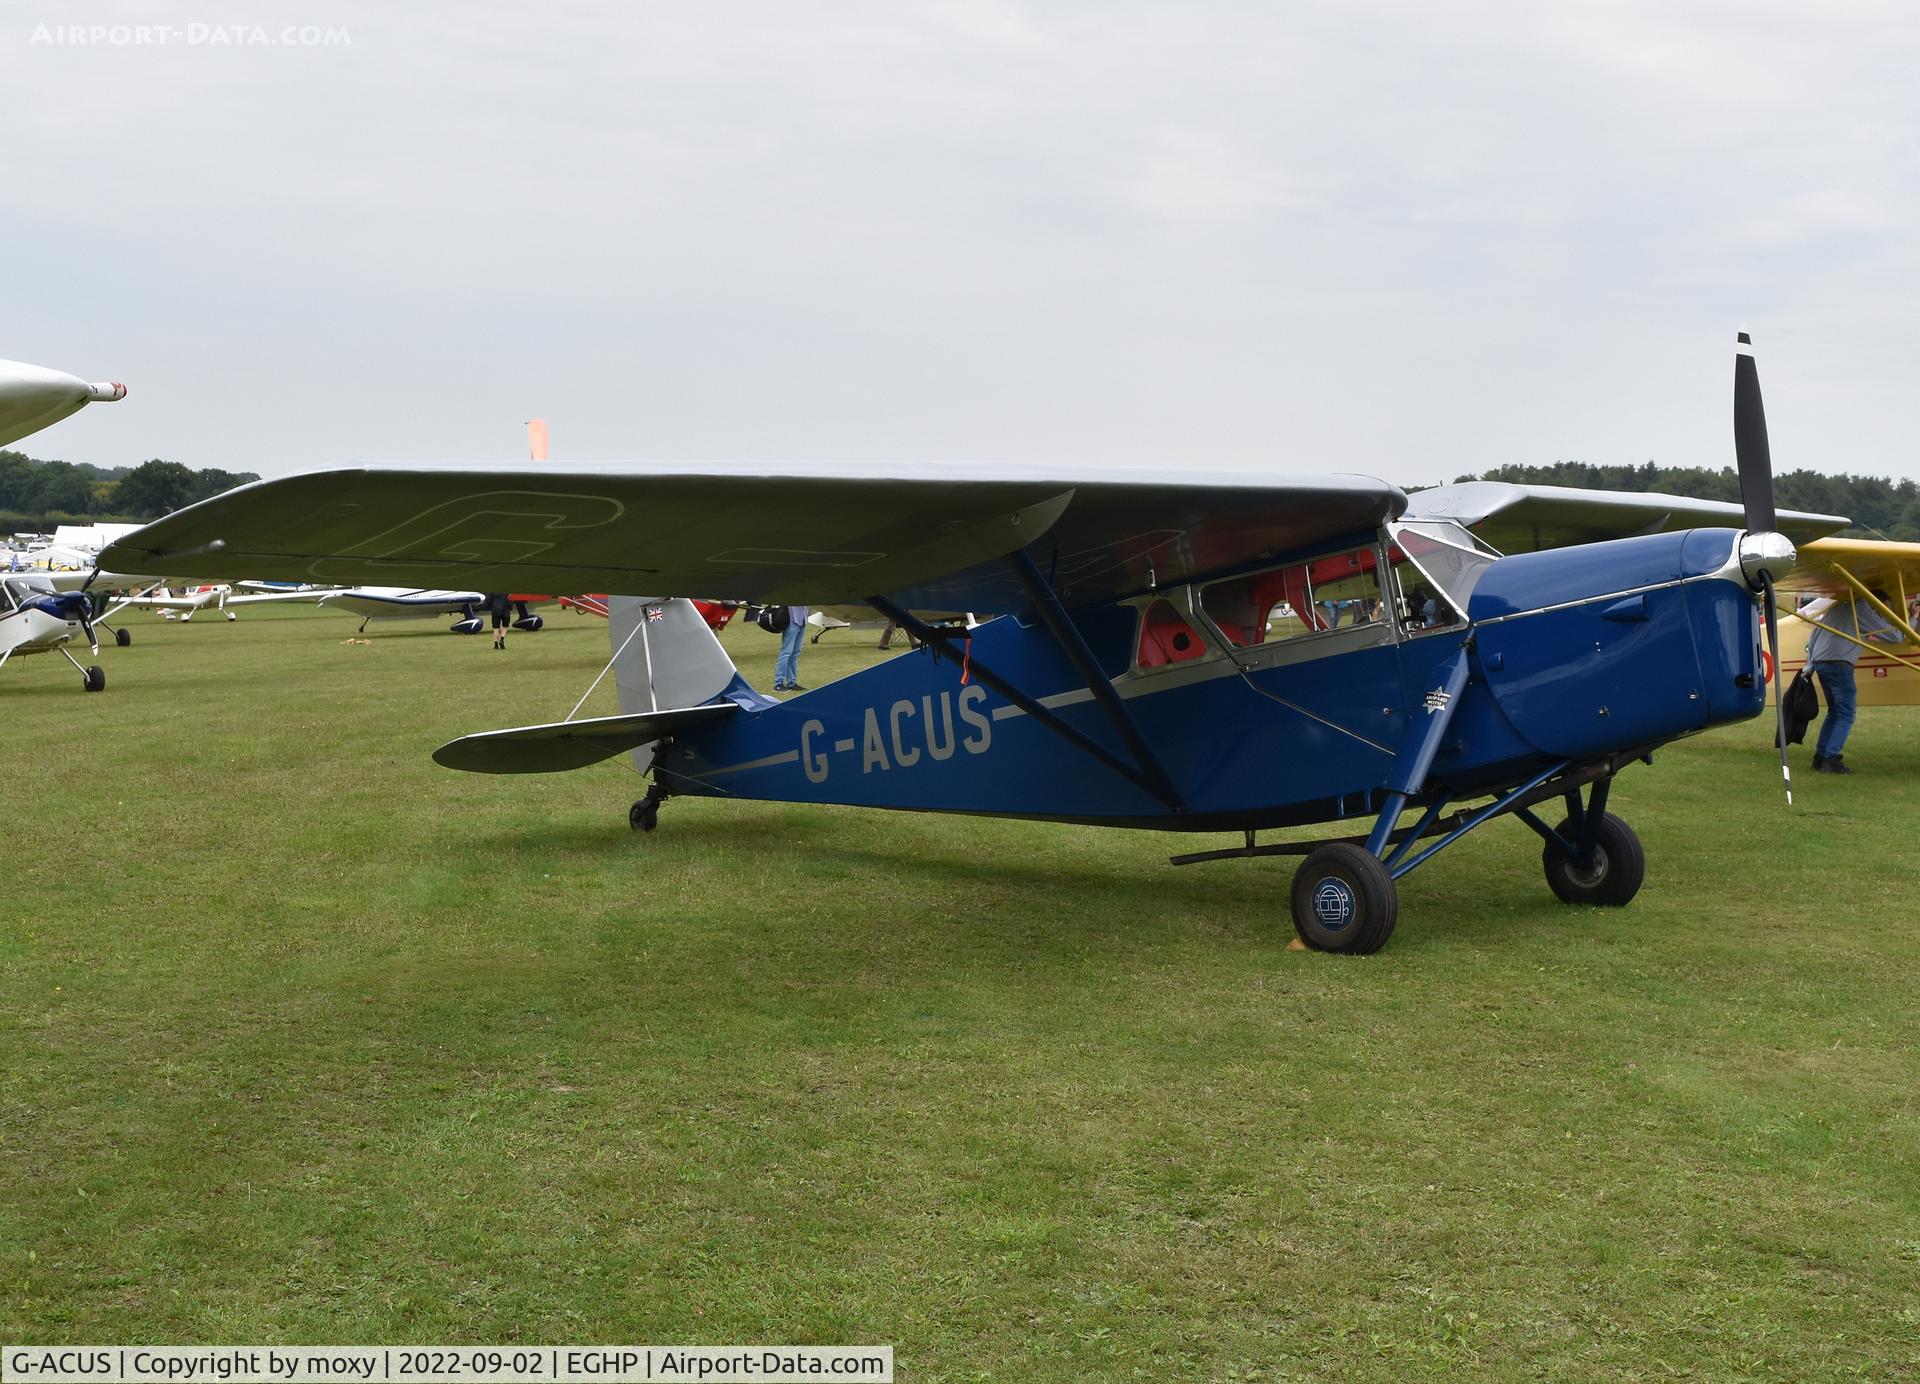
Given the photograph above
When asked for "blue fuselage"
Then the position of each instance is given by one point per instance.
(1574, 655)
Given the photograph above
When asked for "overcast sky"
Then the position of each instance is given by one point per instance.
(1407, 239)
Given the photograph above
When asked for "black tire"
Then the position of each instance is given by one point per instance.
(94, 679)
(123, 637)
(1619, 867)
(1344, 900)
(644, 815)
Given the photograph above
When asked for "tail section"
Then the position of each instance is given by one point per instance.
(665, 657)
(672, 675)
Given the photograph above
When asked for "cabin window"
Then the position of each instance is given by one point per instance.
(1339, 591)
(1167, 637)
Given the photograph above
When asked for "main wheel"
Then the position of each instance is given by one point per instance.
(123, 637)
(94, 679)
(1611, 879)
(644, 815)
(1344, 900)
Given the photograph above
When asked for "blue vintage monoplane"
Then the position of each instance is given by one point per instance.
(1208, 653)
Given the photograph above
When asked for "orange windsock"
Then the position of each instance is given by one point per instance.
(537, 438)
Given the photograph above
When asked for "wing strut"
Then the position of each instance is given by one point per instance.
(941, 639)
(1065, 633)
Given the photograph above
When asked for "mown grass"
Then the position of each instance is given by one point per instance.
(307, 1040)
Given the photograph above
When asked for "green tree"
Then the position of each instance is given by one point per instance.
(60, 486)
(16, 480)
(213, 481)
(154, 488)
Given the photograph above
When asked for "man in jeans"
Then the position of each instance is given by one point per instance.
(1830, 658)
(786, 672)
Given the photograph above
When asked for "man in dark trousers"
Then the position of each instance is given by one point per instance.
(1830, 658)
(500, 607)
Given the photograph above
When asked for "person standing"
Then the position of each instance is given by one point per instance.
(1830, 658)
(500, 607)
(786, 672)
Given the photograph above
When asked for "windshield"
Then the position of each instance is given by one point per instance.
(1437, 564)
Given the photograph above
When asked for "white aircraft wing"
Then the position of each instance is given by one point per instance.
(74, 581)
(931, 536)
(398, 602)
(1525, 518)
(251, 598)
(197, 600)
(33, 397)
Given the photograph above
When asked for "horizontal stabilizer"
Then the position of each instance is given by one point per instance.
(562, 745)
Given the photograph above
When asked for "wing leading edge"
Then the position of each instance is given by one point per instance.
(1526, 518)
(930, 536)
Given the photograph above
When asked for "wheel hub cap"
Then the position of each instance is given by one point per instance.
(1333, 904)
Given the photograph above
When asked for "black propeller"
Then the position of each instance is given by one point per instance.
(1750, 449)
(1755, 461)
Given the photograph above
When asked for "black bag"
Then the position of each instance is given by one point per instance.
(773, 619)
(1801, 705)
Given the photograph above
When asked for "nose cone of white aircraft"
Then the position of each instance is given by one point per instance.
(33, 397)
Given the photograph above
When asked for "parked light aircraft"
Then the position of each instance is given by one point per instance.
(37, 618)
(1850, 571)
(33, 397)
(422, 603)
(1139, 678)
(220, 597)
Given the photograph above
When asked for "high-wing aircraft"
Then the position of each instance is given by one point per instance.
(1851, 570)
(33, 397)
(1203, 653)
(38, 618)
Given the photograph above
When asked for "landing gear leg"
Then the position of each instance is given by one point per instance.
(645, 814)
(1611, 873)
(92, 678)
(1592, 857)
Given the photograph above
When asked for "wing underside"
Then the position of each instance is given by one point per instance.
(933, 537)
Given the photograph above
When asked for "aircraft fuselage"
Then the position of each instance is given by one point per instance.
(1572, 655)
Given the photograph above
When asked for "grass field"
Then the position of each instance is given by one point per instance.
(307, 1040)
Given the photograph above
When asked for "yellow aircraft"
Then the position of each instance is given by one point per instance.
(1850, 570)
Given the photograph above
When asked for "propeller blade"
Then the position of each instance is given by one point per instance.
(1750, 449)
(1779, 683)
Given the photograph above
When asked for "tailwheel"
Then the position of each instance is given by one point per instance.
(1344, 900)
(94, 679)
(123, 637)
(1610, 879)
(645, 814)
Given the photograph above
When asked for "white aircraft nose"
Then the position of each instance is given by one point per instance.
(33, 397)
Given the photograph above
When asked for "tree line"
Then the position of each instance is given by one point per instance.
(40, 492)
(1877, 505)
